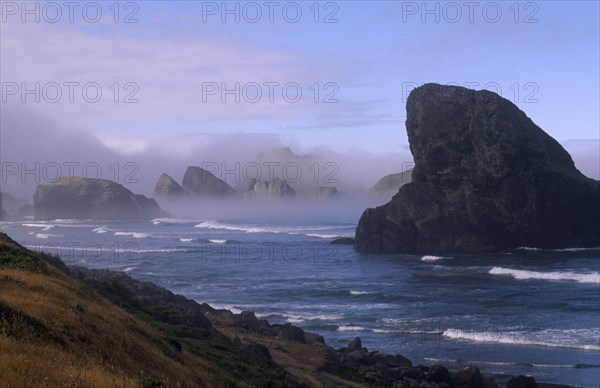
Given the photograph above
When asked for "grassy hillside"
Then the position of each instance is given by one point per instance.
(57, 331)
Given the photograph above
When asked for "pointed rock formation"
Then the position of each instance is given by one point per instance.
(201, 183)
(168, 189)
(485, 178)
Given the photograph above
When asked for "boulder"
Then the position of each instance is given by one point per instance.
(82, 198)
(355, 344)
(469, 377)
(486, 178)
(314, 339)
(289, 332)
(522, 382)
(168, 189)
(439, 374)
(275, 189)
(201, 183)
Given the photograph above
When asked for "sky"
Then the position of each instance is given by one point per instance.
(171, 83)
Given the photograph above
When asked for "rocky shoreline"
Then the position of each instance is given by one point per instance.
(259, 342)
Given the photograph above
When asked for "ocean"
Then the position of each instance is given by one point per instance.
(525, 311)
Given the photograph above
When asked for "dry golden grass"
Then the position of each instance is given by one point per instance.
(89, 341)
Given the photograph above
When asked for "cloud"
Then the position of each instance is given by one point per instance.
(171, 79)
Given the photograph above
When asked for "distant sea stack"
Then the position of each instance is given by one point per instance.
(275, 189)
(202, 183)
(168, 189)
(485, 178)
(388, 186)
(82, 198)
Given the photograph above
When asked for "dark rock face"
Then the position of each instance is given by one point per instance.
(469, 377)
(202, 183)
(356, 344)
(343, 241)
(275, 189)
(485, 177)
(522, 382)
(82, 198)
(387, 186)
(168, 189)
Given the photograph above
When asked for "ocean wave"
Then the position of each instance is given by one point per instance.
(324, 232)
(216, 241)
(101, 230)
(299, 318)
(239, 228)
(429, 258)
(356, 293)
(45, 236)
(351, 328)
(520, 274)
(186, 239)
(562, 338)
(171, 221)
(44, 227)
(132, 234)
(161, 250)
(574, 249)
(128, 269)
(320, 235)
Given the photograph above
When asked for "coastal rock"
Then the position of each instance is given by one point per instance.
(522, 382)
(389, 185)
(24, 211)
(485, 178)
(168, 189)
(289, 332)
(355, 344)
(469, 377)
(439, 374)
(343, 241)
(275, 189)
(202, 183)
(314, 339)
(10, 205)
(82, 198)
(324, 192)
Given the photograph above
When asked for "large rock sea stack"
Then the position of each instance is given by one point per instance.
(275, 189)
(82, 198)
(202, 183)
(168, 189)
(485, 178)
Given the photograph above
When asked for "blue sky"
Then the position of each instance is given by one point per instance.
(370, 57)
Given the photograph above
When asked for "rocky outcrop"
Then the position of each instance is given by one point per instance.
(201, 183)
(387, 186)
(82, 198)
(485, 178)
(168, 189)
(275, 189)
(25, 211)
(324, 192)
(11, 205)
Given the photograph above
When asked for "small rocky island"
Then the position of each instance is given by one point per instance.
(83, 198)
(486, 177)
